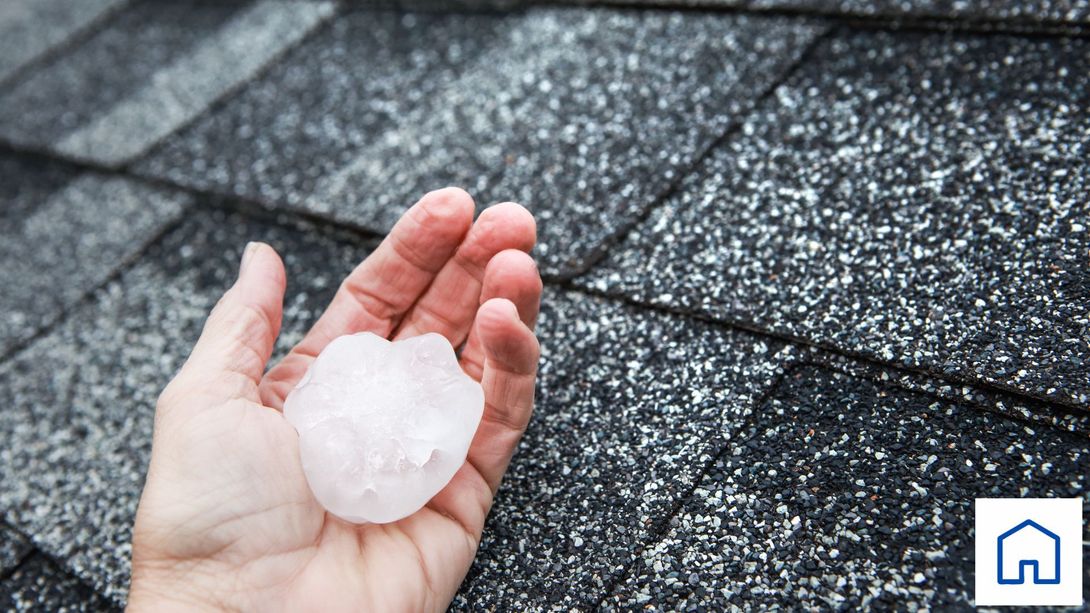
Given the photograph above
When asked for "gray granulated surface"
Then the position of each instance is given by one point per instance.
(29, 28)
(629, 406)
(14, 547)
(107, 104)
(896, 218)
(509, 107)
(842, 493)
(63, 234)
(40, 585)
(916, 199)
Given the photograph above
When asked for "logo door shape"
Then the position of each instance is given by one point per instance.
(1029, 544)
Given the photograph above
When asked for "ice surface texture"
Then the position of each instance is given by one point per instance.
(383, 426)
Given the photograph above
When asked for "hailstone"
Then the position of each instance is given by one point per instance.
(383, 426)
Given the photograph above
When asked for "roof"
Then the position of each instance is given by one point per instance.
(817, 272)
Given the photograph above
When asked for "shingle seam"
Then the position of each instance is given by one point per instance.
(904, 25)
(663, 527)
(877, 380)
(62, 48)
(746, 326)
(255, 209)
(226, 95)
(403, 6)
(619, 235)
(790, 368)
(246, 205)
(35, 552)
(22, 559)
(87, 295)
(890, 20)
(203, 198)
(19, 565)
(1020, 408)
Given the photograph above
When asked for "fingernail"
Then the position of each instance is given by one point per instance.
(247, 255)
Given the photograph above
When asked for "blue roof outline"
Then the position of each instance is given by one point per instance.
(1022, 564)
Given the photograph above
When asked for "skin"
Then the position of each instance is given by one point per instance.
(226, 519)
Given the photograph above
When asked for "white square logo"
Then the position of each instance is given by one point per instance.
(1029, 551)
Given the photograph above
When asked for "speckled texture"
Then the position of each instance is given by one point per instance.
(62, 234)
(843, 493)
(1016, 13)
(325, 102)
(514, 112)
(78, 432)
(864, 207)
(26, 182)
(1014, 406)
(40, 585)
(29, 28)
(105, 103)
(629, 406)
(918, 199)
(14, 548)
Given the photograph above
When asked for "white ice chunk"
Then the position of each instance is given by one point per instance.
(383, 426)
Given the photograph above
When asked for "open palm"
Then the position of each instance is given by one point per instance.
(227, 519)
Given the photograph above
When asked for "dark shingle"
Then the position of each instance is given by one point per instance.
(585, 116)
(14, 548)
(77, 431)
(106, 103)
(62, 233)
(29, 28)
(846, 494)
(1008, 13)
(40, 585)
(629, 405)
(918, 199)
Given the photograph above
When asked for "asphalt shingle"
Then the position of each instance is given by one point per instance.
(323, 103)
(978, 12)
(1013, 11)
(918, 199)
(78, 432)
(40, 585)
(844, 493)
(29, 28)
(14, 548)
(62, 233)
(382, 108)
(1014, 406)
(629, 406)
(905, 199)
(103, 102)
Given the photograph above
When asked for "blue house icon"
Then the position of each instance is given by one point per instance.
(1029, 544)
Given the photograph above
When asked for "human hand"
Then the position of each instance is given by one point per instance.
(227, 520)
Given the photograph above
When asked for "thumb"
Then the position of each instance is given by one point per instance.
(239, 334)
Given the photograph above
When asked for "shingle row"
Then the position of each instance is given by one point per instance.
(29, 29)
(149, 71)
(584, 116)
(848, 494)
(917, 200)
(63, 232)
